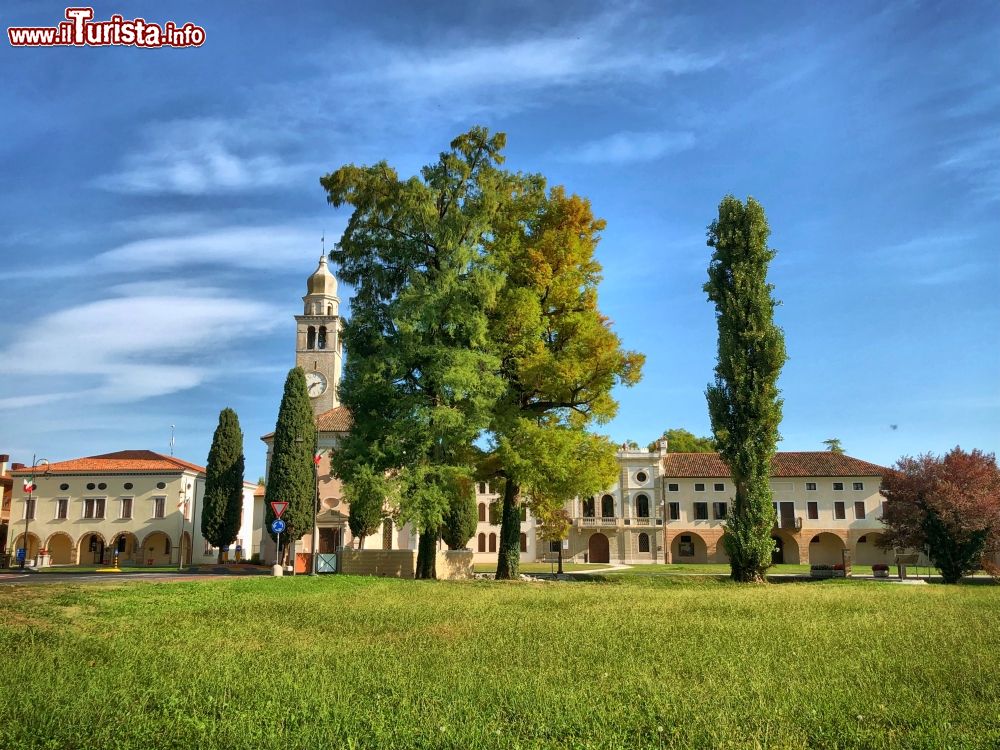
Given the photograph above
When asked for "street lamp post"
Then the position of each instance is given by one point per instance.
(29, 508)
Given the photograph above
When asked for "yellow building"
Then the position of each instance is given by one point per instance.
(135, 504)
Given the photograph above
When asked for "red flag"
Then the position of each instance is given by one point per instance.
(317, 458)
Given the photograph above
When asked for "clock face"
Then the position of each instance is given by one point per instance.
(315, 384)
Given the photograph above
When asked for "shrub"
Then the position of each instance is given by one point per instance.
(821, 567)
(880, 566)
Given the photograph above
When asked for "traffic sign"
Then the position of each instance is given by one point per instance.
(277, 525)
(279, 507)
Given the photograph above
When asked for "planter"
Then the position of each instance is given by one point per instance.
(823, 573)
(880, 573)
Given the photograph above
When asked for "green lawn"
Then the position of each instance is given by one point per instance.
(346, 661)
(541, 567)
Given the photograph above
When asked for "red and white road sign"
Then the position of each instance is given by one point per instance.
(279, 507)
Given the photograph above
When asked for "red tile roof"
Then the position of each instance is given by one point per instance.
(125, 462)
(337, 419)
(785, 464)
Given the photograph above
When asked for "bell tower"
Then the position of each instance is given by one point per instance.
(318, 348)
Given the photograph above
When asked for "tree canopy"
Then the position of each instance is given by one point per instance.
(833, 445)
(222, 506)
(680, 440)
(421, 379)
(948, 505)
(744, 403)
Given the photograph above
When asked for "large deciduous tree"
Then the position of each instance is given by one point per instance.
(291, 477)
(744, 403)
(223, 502)
(559, 359)
(420, 380)
(949, 505)
(680, 440)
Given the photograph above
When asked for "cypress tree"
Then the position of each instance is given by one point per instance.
(744, 403)
(461, 517)
(223, 503)
(291, 478)
(366, 492)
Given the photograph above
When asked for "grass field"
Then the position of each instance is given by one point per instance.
(631, 662)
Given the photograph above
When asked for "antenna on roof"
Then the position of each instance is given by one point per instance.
(322, 242)
(171, 440)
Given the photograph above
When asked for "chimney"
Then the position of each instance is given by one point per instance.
(16, 467)
(661, 445)
(4, 460)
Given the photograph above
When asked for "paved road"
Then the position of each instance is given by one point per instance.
(18, 578)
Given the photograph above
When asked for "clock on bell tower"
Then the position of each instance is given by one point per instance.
(318, 348)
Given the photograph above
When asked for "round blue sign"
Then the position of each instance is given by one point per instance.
(277, 525)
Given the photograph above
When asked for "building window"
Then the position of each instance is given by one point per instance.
(859, 486)
(811, 486)
(93, 508)
(699, 486)
(482, 542)
(161, 485)
(62, 508)
(644, 542)
(29, 508)
(554, 546)
(701, 511)
(642, 506)
(524, 513)
(482, 512)
(321, 338)
(838, 511)
(686, 546)
(128, 485)
(126, 507)
(102, 486)
(588, 508)
(719, 487)
(494, 515)
(166, 545)
(63, 487)
(493, 542)
(859, 509)
(524, 542)
(812, 509)
(482, 488)
(91, 486)
(672, 487)
(674, 509)
(838, 486)
(607, 506)
(159, 503)
(311, 337)
(721, 511)
(641, 477)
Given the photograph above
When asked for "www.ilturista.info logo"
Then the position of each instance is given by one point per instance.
(80, 30)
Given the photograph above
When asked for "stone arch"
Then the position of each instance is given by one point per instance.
(493, 542)
(126, 544)
(34, 544)
(688, 547)
(598, 548)
(482, 512)
(789, 547)
(321, 338)
(482, 542)
(61, 548)
(867, 551)
(826, 548)
(720, 555)
(90, 548)
(311, 337)
(157, 548)
(588, 507)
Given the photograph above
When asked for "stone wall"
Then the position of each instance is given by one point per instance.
(401, 563)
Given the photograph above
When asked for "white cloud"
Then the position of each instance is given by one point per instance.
(133, 346)
(629, 146)
(201, 156)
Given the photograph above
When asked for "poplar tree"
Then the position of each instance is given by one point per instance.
(744, 402)
(559, 361)
(420, 380)
(291, 476)
(223, 502)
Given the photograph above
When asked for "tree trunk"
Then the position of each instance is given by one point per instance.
(220, 556)
(426, 554)
(560, 558)
(509, 553)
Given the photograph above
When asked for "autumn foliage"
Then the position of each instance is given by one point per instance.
(949, 505)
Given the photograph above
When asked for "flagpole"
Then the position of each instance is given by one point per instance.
(315, 539)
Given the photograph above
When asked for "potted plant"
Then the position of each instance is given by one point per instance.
(880, 570)
(821, 571)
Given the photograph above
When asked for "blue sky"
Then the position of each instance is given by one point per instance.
(161, 208)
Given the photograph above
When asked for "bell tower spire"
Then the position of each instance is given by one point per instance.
(318, 346)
